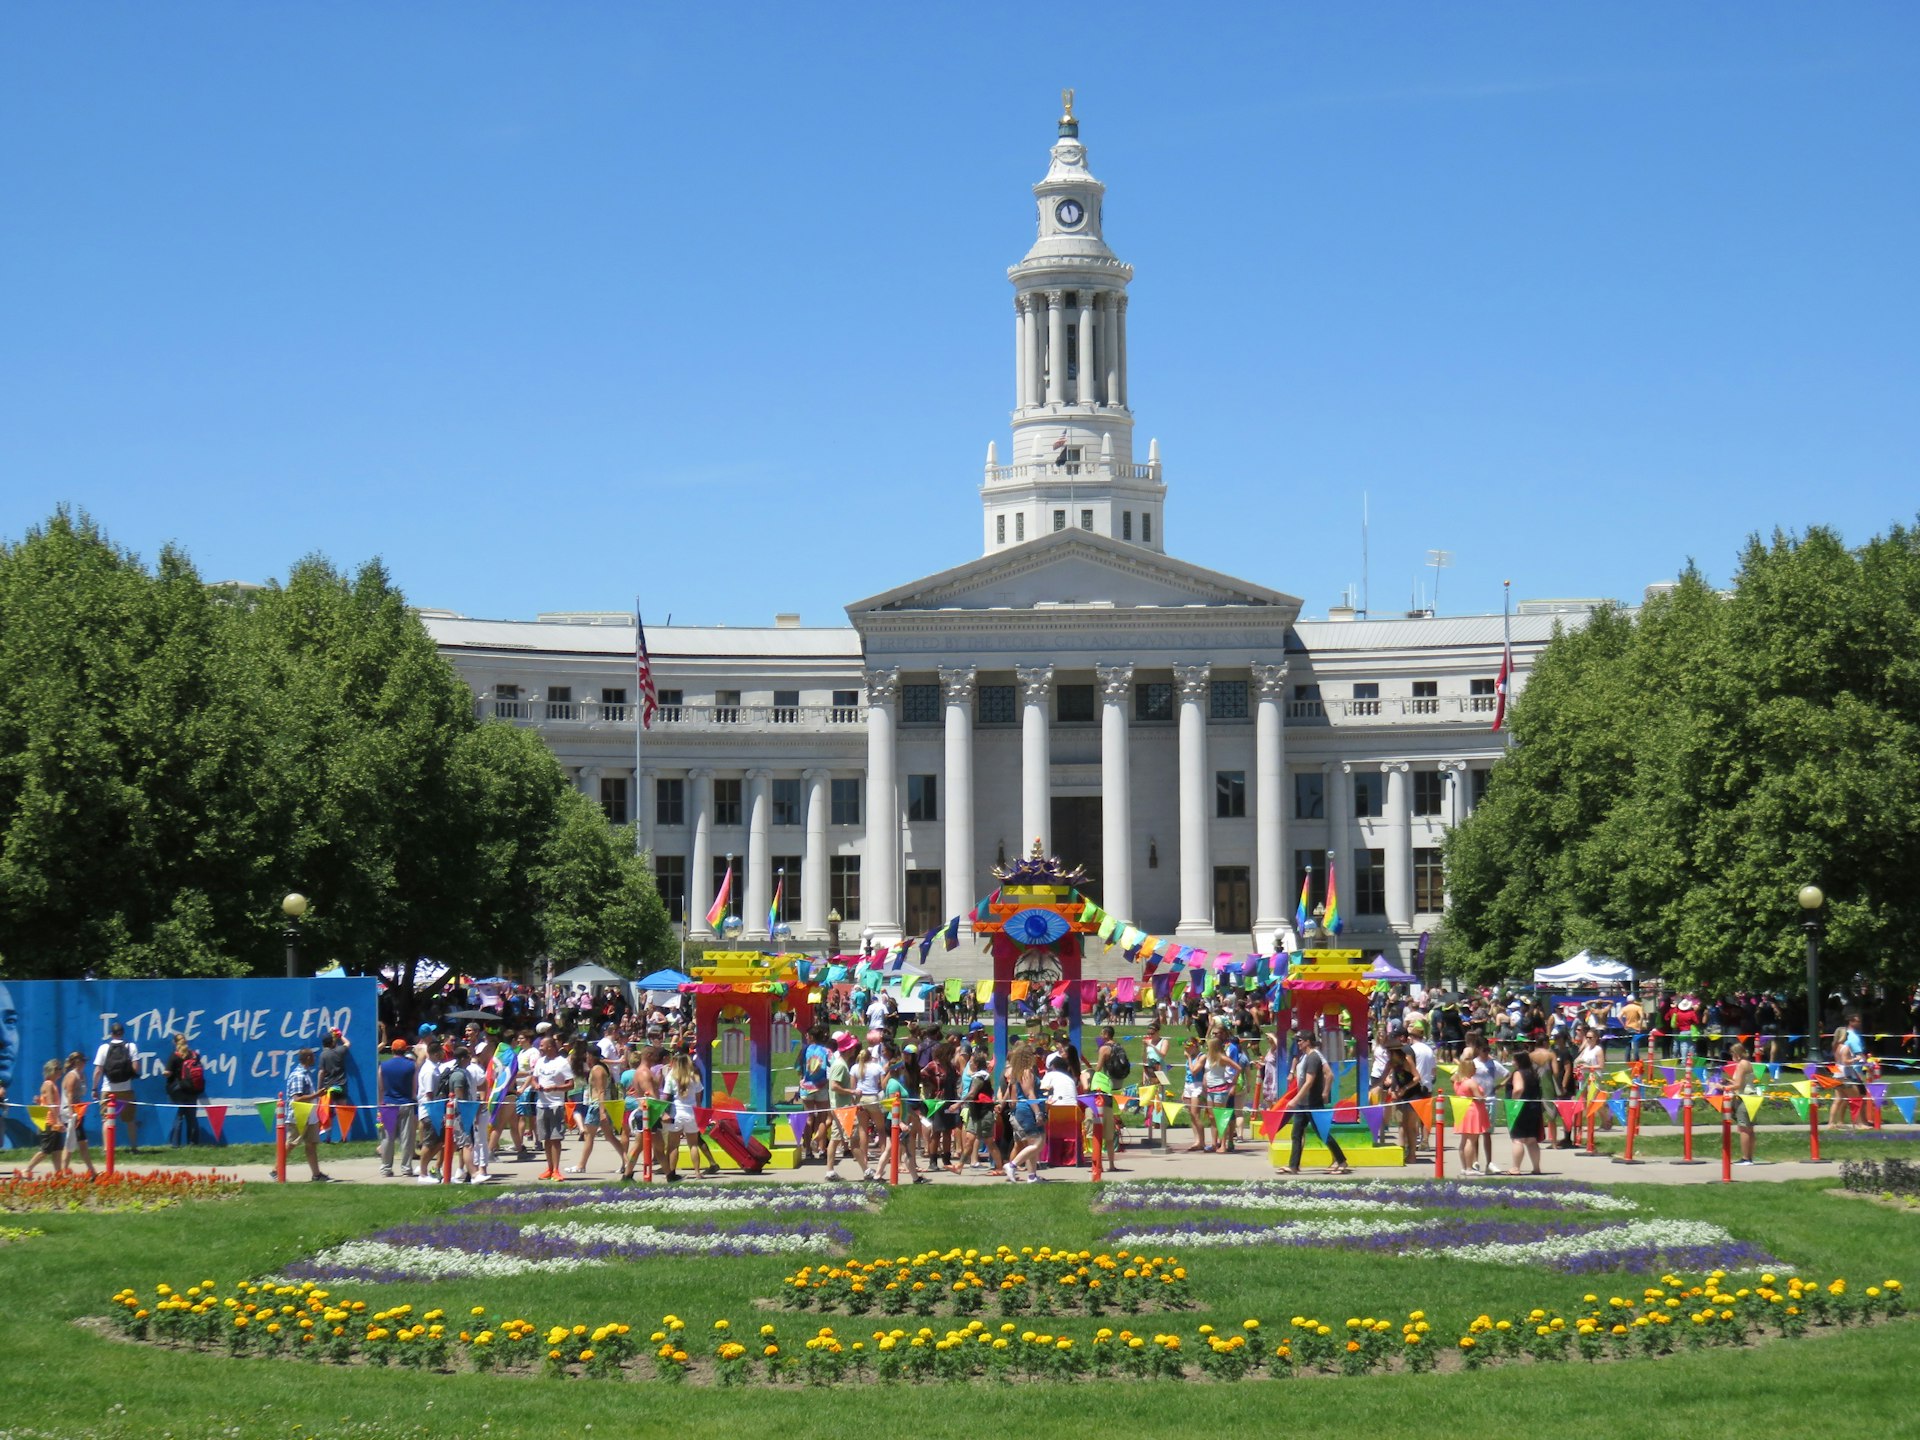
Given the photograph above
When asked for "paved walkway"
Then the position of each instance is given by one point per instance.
(1151, 1163)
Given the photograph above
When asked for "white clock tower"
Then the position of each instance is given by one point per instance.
(1072, 422)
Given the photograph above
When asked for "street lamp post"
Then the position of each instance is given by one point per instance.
(1811, 901)
(833, 933)
(293, 907)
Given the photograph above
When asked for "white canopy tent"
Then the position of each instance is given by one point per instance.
(1586, 968)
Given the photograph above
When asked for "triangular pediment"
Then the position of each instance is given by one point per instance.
(1073, 568)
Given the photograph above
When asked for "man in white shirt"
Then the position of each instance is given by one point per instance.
(552, 1079)
(1060, 1087)
(116, 1064)
(430, 1113)
(877, 1012)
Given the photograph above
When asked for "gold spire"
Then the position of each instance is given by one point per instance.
(1066, 107)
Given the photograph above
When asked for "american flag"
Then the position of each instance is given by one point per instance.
(643, 672)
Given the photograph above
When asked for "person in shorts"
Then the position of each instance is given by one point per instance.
(1738, 1082)
(53, 1132)
(1849, 1050)
(303, 1086)
(814, 1061)
(552, 1081)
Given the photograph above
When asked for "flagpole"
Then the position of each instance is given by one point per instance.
(639, 645)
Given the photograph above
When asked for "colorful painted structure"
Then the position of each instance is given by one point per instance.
(1033, 925)
(734, 985)
(1334, 983)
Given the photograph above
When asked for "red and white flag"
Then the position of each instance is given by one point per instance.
(643, 672)
(1500, 686)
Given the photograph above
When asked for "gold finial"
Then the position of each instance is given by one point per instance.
(1066, 107)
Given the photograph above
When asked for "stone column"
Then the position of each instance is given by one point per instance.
(1339, 789)
(956, 870)
(1270, 910)
(590, 777)
(880, 880)
(1084, 386)
(759, 888)
(1056, 347)
(1196, 854)
(1021, 345)
(814, 864)
(1110, 345)
(1116, 791)
(1036, 759)
(1036, 348)
(1120, 336)
(1398, 813)
(700, 867)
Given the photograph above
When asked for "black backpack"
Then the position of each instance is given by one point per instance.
(118, 1068)
(1117, 1066)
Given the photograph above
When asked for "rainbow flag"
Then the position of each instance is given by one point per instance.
(1300, 910)
(1332, 921)
(773, 910)
(720, 901)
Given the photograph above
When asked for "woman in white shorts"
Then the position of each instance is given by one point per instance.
(683, 1093)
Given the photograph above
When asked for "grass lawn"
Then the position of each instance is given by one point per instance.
(66, 1381)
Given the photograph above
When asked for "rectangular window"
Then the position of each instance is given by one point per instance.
(1482, 696)
(726, 707)
(1366, 698)
(1369, 794)
(1232, 900)
(994, 704)
(786, 707)
(919, 704)
(1429, 791)
(845, 797)
(1000, 529)
(1305, 704)
(843, 886)
(613, 799)
(1086, 519)
(1429, 882)
(1073, 704)
(923, 901)
(1019, 528)
(559, 702)
(1477, 787)
(671, 702)
(1227, 700)
(669, 801)
(786, 802)
(1369, 882)
(1230, 794)
(846, 707)
(1426, 698)
(507, 704)
(1126, 524)
(1309, 795)
(613, 697)
(1153, 701)
(613, 704)
(670, 879)
(1059, 519)
(786, 879)
(726, 802)
(923, 797)
(1146, 527)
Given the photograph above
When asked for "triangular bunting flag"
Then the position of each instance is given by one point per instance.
(1423, 1110)
(954, 990)
(343, 1113)
(616, 1111)
(797, 1123)
(568, 1120)
(849, 1118)
(983, 992)
(1615, 1104)
(1270, 1122)
(325, 1105)
(268, 1114)
(302, 1112)
(1753, 1104)
(1173, 1110)
(469, 1112)
(37, 1114)
(216, 1119)
(1904, 1104)
(728, 1079)
(933, 1107)
(1718, 1102)
(1671, 1106)
(1457, 1105)
(1877, 1092)
(1149, 1093)
(656, 1110)
(1322, 1123)
(1222, 1116)
(1801, 1105)
(1376, 1118)
(1513, 1111)
(1802, 1088)
(1569, 1112)
(953, 933)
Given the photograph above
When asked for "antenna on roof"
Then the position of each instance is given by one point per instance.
(1366, 593)
(1438, 560)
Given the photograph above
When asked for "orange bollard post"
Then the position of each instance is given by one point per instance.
(1726, 1140)
(1439, 1137)
(1633, 1127)
(893, 1164)
(450, 1119)
(1593, 1125)
(1686, 1127)
(109, 1130)
(1099, 1138)
(280, 1138)
(646, 1154)
(1813, 1132)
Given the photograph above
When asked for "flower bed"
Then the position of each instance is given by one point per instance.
(1893, 1178)
(13, 1234)
(1573, 1245)
(126, 1190)
(619, 1200)
(1372, 1197)
(310, 1322)
(1029, 1281)
(458, 1248)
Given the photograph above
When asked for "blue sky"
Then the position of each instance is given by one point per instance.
(553, 305)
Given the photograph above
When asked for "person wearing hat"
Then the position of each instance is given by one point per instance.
(398, 1075)
(842, 1096)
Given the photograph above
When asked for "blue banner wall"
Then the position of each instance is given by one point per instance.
(247, 1033)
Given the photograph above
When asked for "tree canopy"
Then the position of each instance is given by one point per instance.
(175, 757)
(1678, 774)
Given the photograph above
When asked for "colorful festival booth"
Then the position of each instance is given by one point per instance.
(745, 985)
(1335, 985)
(1034, 922)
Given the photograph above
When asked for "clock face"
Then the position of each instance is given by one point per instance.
(1069, 213)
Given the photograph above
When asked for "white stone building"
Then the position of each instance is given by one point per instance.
(1184, 735)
